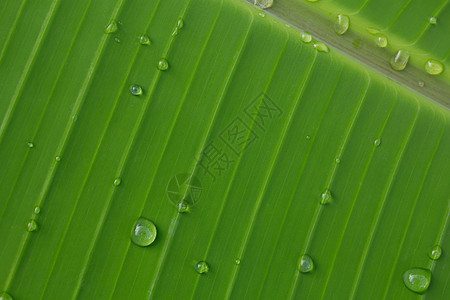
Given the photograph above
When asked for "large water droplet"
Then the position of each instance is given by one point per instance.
(144, 232)
(5, 296)
(117, 181)
(111, 28)
(144, 40)
(381, 40)
(432, 20)
(202, 267)
(342, 23)
(163, 64)
(326, 197)
(32, 226)
(434, 67)
(417, 279)
(305, 36)
(435, 252)
(306, 264)
(30, 145)
(400, 60)
(263, 3)
(136, 90)
(377, 142)
(321, 47)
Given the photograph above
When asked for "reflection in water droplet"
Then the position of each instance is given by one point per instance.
(117, 181)
(400, 60)
(417, 279)
(305, 36)
(377, 142)
(183, 207)
(263, 3)
(144, 232)
(111, 28)
(202, 267)
(321, 47)
(144, 40)
(136, 90)
(435, 253)
(306, 264)
(326, 197)
(5, 296)
(30, 145)
(381, 40)
(32, 226)
(342, 23)
(433, 20)
(163, 64)
(434, 67)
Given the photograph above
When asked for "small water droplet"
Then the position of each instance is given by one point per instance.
(308, 137)
(434, 67)
(5, 296)
(117, 181)
(435, 252)
(377, 142)
(432, 20)
(381, 40)
(305, 36)
(144, 232)
(37, 210)
(117, 40)
(421, 83)
(30, 145)
(372, 30)
(326, 197)
(238, 261)
(111, 28)
(183, 207)
(400, 60)
(175, 31)
(321, 47)
(202, 267)
(32, 226)
(136, 90)
(262, 14)
(58, 158)
(417, 279)
(144, 40)
(338, 160)
(263, 3)
(163, 64)
(306, 264)
(180, 23)
(342, 23)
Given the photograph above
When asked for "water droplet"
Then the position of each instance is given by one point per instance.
(305, 36)
(321, 47)
(202, 267)
(58, 158)
(175, 31)
(421, 83)
(111, 28)
(432, 20)
(381, 40)
(32, 226)
(117, 40)
(306, 264)
(377, 143)
(136, 90)
(338, 160)
(417, 279)
(399, 61)
(117, 181)
(183, 207)
(37, 210)
(342, 23)
(326, 197)
(261, 14)
(163, 64)
(308, 137)
(144, 232)
(144, 40)
(30, 145)
(5, 296)
(434, 67)
(75, 118)
(263, 3)
(238, 261)
(180, 23)
(372, 30)
(435, 252)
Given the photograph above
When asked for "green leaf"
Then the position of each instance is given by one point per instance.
(270, 169)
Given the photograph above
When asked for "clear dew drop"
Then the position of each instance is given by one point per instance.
(180, 23)
(306, 264)
(144, 232)
(5, 296)
(201, 267)
(400, 60)
(432, 20)
(111, 28)
(381, 40)
(377, 142)
(326, 197)
(321, 47)
(30, 145)
(144, 40)
(305, 36)
(434, 67)
(237, 261)
(417, 279)
(58, 158)
(32, 226)
(183, 207)
(163, 64)
(117, 181)
(338, 160)
(136, 90)
(435, 252)
(37, 210)
(263, 3)
(342, 23)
